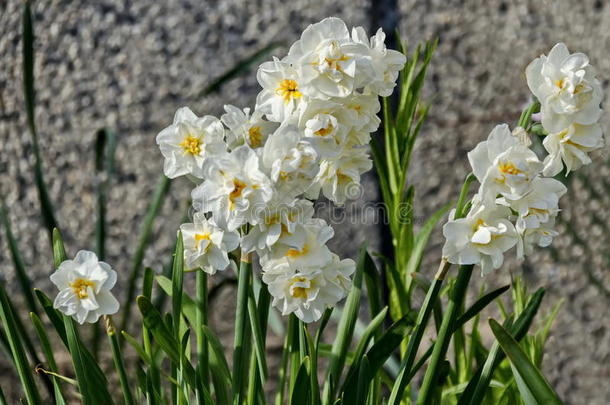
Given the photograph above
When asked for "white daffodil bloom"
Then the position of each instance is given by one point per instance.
(385, 63)
(246, 128)
(339, 179)
(480, 238)
(570, 147)
(538, 206)
(277, 220)
(503, 165)
(305, 246)
(234, 189)
(365, 108)
(206, 246)
(567, 88)
(541, 236)
(84, 288)
(326, 124)
(291, 161)
(188, 142)
(328, 62)
(309, 291)
(282, 93)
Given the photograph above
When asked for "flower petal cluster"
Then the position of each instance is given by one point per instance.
(307, 135)
(518, 200)
(570, 98)
(84, 285)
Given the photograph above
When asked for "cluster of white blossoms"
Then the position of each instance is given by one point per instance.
(518, 201)
(256, 174)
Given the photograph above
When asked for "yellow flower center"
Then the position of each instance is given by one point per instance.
(191, 145)
(296, 252)
(80, 286)
(288, 89)
(343, 178)
(509, 168)
(300, 292)
(325, 131)
(238, 187)
(201, 236)
(255, 136)
(560, 83)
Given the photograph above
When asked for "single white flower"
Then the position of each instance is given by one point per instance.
(538, 206)
(326, 124)
(480, 238)
(305, 246)
(282, 93)
(206, 246)
(188, 142)
(566, 87)
(541, 236)
(570, 147)
(247, 128)
(328, 62)
(385, 63)
(365, 108)
(309, 291)
(339, 178)
(84, 288)
(504, 165)
(234, 189)
(277, 220)
(290, 160)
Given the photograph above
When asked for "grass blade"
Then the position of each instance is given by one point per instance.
(24, 370)
(118, 362)
(46, 207)
(48, 353)
(539, 387)
(345, 331)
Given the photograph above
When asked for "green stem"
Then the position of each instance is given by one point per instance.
(444, 334)
(240, 341)
(202, 319)
(118, 362)
(405, 375)
(283, 372)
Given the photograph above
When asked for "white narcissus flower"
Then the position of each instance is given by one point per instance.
(309, 291)
(276, 221)
(365, 108)
(538, 206)
(566, 87)
(326, 124)
(570, 147)
(188, 142)
(541, 236)
(328, 62)
(234, 189)
(282, 92)
(84, 288)
(247, 128)
(385, 63)
(503, 165)
(290, 160)
(339, 178)
(480, 238)
(305, 246)
(206, 246)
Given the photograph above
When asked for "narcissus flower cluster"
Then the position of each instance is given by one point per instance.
(258, 170)
(518, 200)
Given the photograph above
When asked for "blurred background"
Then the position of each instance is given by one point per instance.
(128, 65)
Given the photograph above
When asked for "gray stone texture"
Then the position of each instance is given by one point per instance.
(130, 65)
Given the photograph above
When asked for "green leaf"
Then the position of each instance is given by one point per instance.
(46, 208)
(537, 384)
(189, 307)
(118, 362)
(301, 390)
(45, 344)
(345, 329)
(479, 305)
(177, 284)
(154, 323)
(421, 241)
(221, 374)
(24, 369)
(22, 277)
